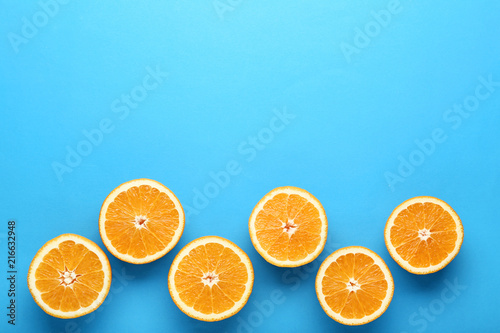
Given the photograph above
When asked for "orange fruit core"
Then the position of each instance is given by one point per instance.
(69, 277)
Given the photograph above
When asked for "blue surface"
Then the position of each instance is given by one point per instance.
(358, 103)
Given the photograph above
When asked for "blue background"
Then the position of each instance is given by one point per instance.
(355, 118)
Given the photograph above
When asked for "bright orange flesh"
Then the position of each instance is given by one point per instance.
(357, 270)
(423, 252)
(211, 278)
(288, 227)
(141, 221)
(68, 295)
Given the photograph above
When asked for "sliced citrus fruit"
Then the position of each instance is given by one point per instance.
(140, 221)
(354, 285)
(210, 279)
(69, 276)
(288, 227)
(423, 234)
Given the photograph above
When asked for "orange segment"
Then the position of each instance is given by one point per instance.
(288, 227)
(235, 291)
(227, 260)
(69, 276)
(46, 285)
(210, 279)
(84, 294)
(423, 235)
(354, 285)
(69, 301)
(220, 300)
(279, 249)
(238, 274)
(191, 295)
(137, 248)
(267, 237)
(45, 271)
(369, 302)
(203, 303)
(72, 253)
(54, 259)
(352, 308)
(141, 221)
(93, 280)
(53, 298)
(90, 262)
(277, 206)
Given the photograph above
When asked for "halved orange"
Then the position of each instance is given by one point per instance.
(354, 285)
(288, 227)
(140, 221)
(210, 279)
(423, 234)
(69, 276)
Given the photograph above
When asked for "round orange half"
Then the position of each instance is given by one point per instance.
(423, 234)
(210, 279)
(69, 276)
(140, 221)
(288, 227)
(354, 285)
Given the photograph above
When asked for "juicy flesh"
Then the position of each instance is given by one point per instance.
(69, 277)
(424, 234)
(354, 286)
(141, 221)
(211, 278)
(288, 227)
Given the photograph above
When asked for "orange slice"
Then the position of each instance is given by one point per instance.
(423, 235)
(354, 285)
(288, 227)
(69, 276)
(210, 279)
(141, 221)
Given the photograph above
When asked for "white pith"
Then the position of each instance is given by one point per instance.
(424, 234)
(124, 187)
(353, 285)
(140, 221)
(319, 287)
(290, 227)
(432, 268)
(189, 310)
(324, 228)
(210, 278)
(66, 275)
